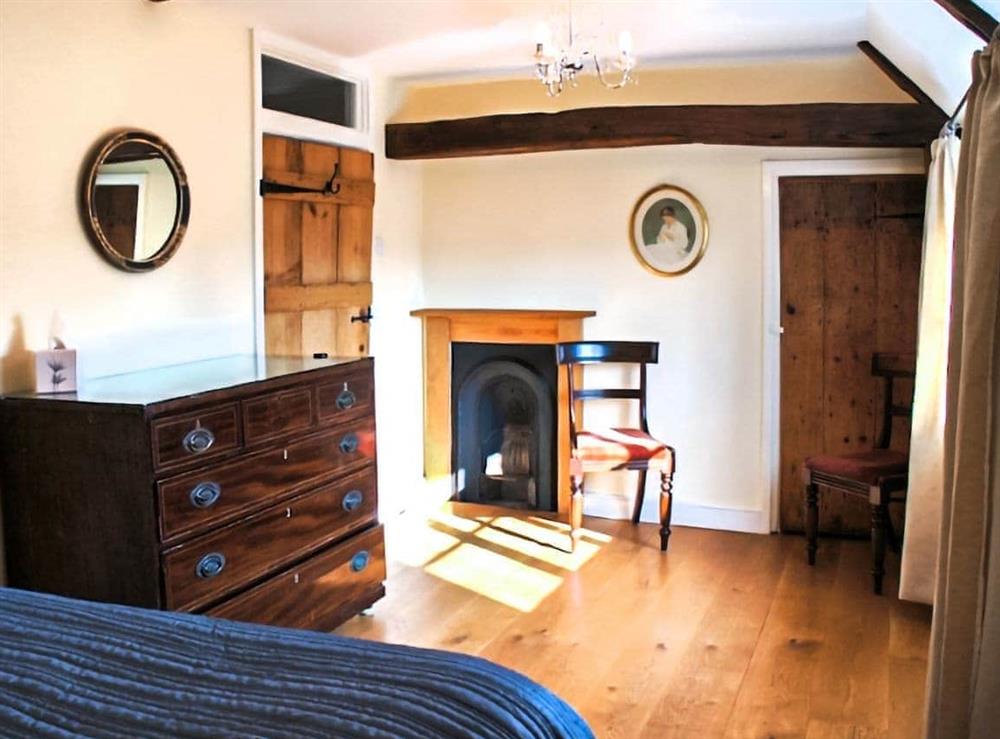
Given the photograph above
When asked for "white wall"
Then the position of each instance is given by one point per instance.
(72, 72)
(551, 231)
(396, 338)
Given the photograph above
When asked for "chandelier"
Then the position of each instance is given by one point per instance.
(557, 66)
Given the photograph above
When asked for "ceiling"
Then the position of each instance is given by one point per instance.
(431, 38)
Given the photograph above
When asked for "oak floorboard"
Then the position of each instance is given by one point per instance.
(700, 698)
(725, 635)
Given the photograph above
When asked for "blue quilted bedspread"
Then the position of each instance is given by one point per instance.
(71, 668)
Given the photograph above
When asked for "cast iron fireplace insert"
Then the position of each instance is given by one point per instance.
(504, 424)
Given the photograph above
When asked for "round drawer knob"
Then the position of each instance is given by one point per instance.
(205, 494)
(349, 444)
(198, 440)
(353, 500)
(346, 399)
(360, 560)
(210, 565)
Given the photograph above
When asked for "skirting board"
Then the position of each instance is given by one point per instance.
(612, 505)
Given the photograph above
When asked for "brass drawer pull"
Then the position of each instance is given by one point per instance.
(353, 500)
(198, 440)
(210, 565)
(346, 399)
(205, 494)
(349, 444)
(360, 560)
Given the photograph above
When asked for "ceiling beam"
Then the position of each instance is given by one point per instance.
(897, 75)
(809, 124)
(971, 16)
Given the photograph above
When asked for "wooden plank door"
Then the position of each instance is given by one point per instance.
(317, 247)
(850, 272)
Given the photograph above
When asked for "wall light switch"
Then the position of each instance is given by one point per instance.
(379, 247)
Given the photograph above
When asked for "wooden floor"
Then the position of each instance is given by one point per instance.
(728, 634)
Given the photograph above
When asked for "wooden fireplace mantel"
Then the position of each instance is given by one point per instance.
(443, 326)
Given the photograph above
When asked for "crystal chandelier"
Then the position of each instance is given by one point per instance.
(556, 66)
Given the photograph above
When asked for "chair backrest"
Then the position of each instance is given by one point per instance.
(607, 352)
(892, 367)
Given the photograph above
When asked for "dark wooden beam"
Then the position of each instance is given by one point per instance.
(971, 16)
(897, 75)
(810, 124)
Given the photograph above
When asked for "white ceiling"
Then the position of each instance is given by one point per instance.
(431, 37)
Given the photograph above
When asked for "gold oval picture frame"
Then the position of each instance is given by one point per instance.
(668, 230)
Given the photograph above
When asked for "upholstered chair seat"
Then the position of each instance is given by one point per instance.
(604, 450)
(866, 467)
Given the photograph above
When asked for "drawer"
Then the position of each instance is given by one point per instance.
(347, 397)
(199, 499)
(319, 593)
(202, 435)
(275, 414)
(227, 559)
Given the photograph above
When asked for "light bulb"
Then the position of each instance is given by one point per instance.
(625, 43)
(543, 35)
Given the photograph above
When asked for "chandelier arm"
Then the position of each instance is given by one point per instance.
(613, 85)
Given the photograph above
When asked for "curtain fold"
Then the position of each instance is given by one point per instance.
(918, 569)
(963, 681)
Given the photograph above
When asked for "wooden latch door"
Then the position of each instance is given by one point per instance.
(318, 202)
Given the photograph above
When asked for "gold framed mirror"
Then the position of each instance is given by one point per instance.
(136, 200)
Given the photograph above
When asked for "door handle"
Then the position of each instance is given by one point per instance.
(365, 316)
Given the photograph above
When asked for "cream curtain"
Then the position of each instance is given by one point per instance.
(926, 480)
(963, 682)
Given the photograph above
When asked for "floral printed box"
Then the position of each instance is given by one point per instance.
(55, 371)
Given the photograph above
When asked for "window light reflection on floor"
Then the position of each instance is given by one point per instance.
(513, 561)
(495, 576)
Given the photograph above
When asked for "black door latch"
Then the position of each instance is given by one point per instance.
(364, 316)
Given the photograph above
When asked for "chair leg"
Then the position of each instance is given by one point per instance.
(879, 514)
(666, 506)
(640, 494)
(575, 509)
(890, 532)
(812, 520)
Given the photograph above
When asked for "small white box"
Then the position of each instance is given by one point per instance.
(55, 371)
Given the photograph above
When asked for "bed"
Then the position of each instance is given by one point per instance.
(75, 668)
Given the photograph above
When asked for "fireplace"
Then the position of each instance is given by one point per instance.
(504, 424)
(445, 328)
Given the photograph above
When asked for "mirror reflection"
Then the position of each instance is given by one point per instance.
(135, 200)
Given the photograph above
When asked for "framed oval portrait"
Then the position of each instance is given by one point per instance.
(669, 230)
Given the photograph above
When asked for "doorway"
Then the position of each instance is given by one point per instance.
(850, 250)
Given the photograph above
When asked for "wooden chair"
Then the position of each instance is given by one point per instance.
(876, 475)
(615, 448)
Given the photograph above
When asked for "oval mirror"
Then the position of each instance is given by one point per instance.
(136, 200)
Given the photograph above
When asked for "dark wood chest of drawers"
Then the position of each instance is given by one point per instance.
(241, 487)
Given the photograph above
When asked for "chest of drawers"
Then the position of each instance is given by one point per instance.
(241, 487)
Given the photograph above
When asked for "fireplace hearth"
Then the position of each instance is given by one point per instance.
(503, 424)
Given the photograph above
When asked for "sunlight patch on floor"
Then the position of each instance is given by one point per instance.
(516, 561)
(495, 576)
(418, 545)
(543, 544)
(456, 522)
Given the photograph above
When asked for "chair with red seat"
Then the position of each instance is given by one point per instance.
(879, 475)
(603, 450)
